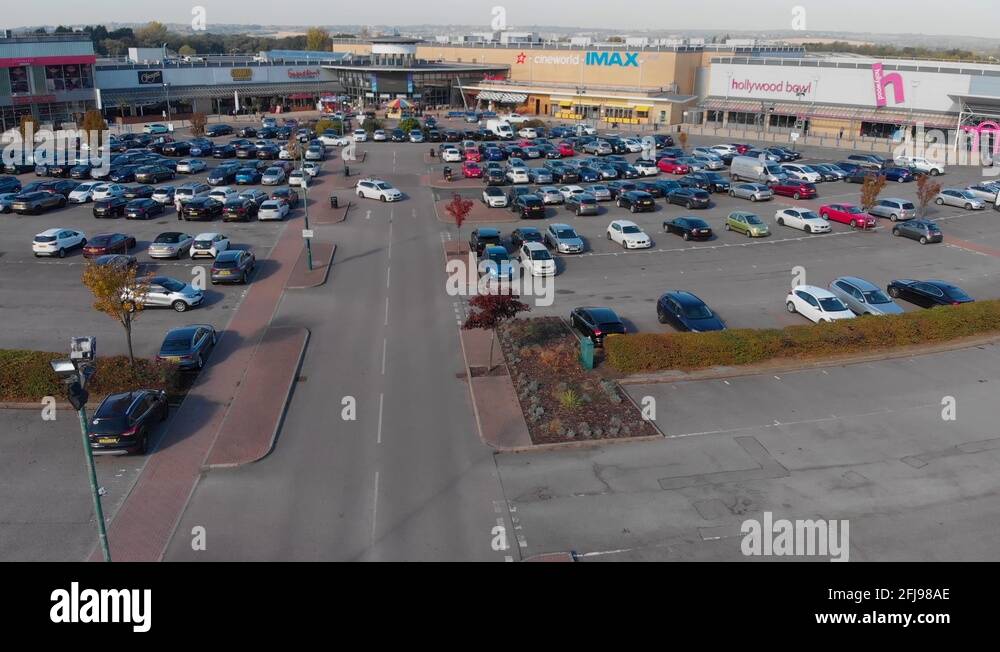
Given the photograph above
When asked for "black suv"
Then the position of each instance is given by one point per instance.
(111, 207)
(482, 238)
(202, 208)
(124, 421)
(528, 206)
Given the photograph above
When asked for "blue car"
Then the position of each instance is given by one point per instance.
(497, 263)
(493, 154)
(588, 174)
(898, 174)
(686, 312)
(247, 176)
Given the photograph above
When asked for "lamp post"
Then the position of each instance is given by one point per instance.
(75, 372)
(305, 207)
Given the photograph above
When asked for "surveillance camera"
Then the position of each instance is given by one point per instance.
(65, 369)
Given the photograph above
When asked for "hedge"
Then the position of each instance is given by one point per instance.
(27, 376)
(687, 351)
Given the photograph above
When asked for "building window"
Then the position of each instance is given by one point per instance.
(612, 112)
(714, 116)
(68, 77)
(879, 129)
(19, 80)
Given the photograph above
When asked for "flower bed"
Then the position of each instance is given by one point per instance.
(561, 401)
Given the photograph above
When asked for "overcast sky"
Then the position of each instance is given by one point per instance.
(962, 17)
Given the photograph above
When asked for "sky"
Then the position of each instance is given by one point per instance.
(961, 17)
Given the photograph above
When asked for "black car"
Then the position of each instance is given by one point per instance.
(180, 148)
(596, 323)
(139, 192)
(60, 186)
(10, 184)
(233, 266)
(927, 293)
(222, 175)
(528, 206)
(267, 152)
(433, 135)
(564, 174)
(81, 171)
(188, 346)
(689, 228)
(123, 422)
(689, 197)
(258, 197)
(397, 136)
(224, 151)
(923, 231)
(214, 131)
(484, 237)
(525, 234)
(650, 187)
(110, 207)
(247, 132)
(582, 203)
(201, 208)
(710, 181)
(239, 209)
(625, 170)
(618, 187)
(636, 201)
(18, 166)
(494, 176)
(663, 140)
(289, 195)
(154, 174)
(246, 151)
(686, 312)
(124, 174)
(452, 136)
(143, 209)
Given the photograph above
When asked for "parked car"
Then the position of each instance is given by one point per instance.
(753, 191)
(689, 198)
(191, 166)
(636, 201)
(201, 208)
(862, 297)
(483, 237)
(923, 231)
(164, 195)
(142, 191)
(802, 172)
(83, 193)
(794, 189)
(57, 241)
(377, 189)
(273, 209)
(686, 312)
(528, 206)
(233, 266)
(816, 304)
(188, 346)
(245, 176)
(961, 198)
(209, 244)
(628, 235)
(524, 234)
(746, 223)
(710, 181)
(123, 422)
(494, 197)
(847, 214)
(36, 203)
(583, 203)
(143, 208)
(689, 228)
(920, 164)
(928, 294)
(596, 323)
(829, 172)
(113, 206)
(108, 243)
(563, 238)
(672, 166)
(895, 209)
(802, 219)
(172, 244)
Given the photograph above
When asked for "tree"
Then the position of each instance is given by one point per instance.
(28, 122)
(871, 188)
(94, 123)
(459, 208)
(152, 34)
(927, 190)
(682, 138)
(186, 50)
(198, 122)
(119, 294)
(318, 39)
(113, 47)
(324, 124)
(294, 147)
(408, 124)
(492, 310)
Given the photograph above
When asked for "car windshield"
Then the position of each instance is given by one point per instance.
(176, 344)
(831, 304)
(809, 215)
(699, 311)
(45, 238)
(753, 219)
(566, 233)
(631, 229)
(225, 264)
(853, 210)
(383, 186)
(498, 256)
(967, 194)
(540, 254)
(876, 297)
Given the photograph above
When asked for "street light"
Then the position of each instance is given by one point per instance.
(304, 182)
(75, 372)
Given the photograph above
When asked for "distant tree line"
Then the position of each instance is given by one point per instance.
(905, 52)
(154, 34)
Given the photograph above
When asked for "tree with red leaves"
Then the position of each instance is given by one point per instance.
(491, 310)
(459, 208)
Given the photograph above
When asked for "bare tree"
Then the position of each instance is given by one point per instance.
(927, 190)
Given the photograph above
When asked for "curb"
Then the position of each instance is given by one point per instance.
(13, 405)
(716, 373)
(326, 272)
(472, 394)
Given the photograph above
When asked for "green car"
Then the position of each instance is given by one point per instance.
(747, 223)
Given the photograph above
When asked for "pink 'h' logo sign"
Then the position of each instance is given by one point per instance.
(882, 80)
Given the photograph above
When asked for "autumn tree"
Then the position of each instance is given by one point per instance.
(871, 188)
(927, 190)
(318, 39)
(152, 34)
(458, 208)
(682, 138)
(490, 311)
(119, 293)
(94, 123)
(28, 123)
(186, 50)
(198, 122)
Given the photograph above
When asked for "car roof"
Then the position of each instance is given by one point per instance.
(229, 253)
(205, 236)
(487, 231)
(53, 231)
(624, 223)
(860, 283)
(601, 313)
(685, 298)
(816, 291)
(532, 246)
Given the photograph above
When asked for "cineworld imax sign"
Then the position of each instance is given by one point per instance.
(614, 59)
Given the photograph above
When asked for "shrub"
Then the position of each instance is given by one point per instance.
(569, 399)
(653, 352)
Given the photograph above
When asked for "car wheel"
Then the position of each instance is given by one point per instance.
(895, 232)
(808, 229)
(608, 234)
(796, 196)
(790, 307)
(686, 236)
(660, 317)
(854, 224)
(62, 253)
(726, 225)
(179, 306)
(143, 446)
(243, 279)
(939, 201)
(935, 172)
(200, 362)
(753, 198)
(894, 293)
(732, 193)
(781, 221)
(923, 240)
(894, 217)
(381, 198)
(968, 207)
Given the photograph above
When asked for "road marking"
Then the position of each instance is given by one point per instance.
(384, 341)
(387, 270)
(375, 509)
(368, 214)
(378, 440)
(386, 311)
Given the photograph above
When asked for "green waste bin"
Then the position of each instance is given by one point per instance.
(587, 353)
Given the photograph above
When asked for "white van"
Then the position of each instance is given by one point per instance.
(501, 128)
(747, 168)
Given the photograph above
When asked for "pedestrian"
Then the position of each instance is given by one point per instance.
(179, 207)
(841, 134)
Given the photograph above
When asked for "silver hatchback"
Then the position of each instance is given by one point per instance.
(894, 209)
(961, 198)
(862, 297)
(751, 191)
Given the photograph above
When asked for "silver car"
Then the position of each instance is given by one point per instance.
(272, 177)
(894, 209)
(7, 202)
(709, 162)
(550, 195)
(166, 291)
(986, 191)
(862, 297)
(751, 191)
(961, 198)
(600, 192)
(171, 244)
(563, 238)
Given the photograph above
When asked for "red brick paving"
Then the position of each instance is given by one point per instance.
(498, 412)
(973, 246)
(302, 277)
(251, 424)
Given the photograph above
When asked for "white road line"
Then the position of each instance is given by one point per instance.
(384, 342)
(381, 398)
(387, 270)
(368, 215)
(375, 508)
(387, 311)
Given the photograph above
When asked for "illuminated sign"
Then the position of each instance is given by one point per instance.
(613, 59)
(150, 76)
(241, 74)
(882, 80)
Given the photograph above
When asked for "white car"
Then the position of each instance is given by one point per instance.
(920, 164)
(724, 150)
(569, 191)
(817, 304)
(646, 167)
(335, 141)
(986, 191)
(106, 190)
(527, 132)
(494, 197)
(163, 195)
(379, 135)
(550, 195)
(960, 197)
(83, 193)
(209, 244)
(804, 220)
(585, 129)
(633, 145)
(295, 177)
(628, 235)
(56, 242)
(272, 209)
(312, 168)
(360, 135)
(802, 172)
(536, 259)
(452, 155)
(285, 154)
(223, 194)
(377, 189)
(518, 174)
(191, 166)
(514, 118)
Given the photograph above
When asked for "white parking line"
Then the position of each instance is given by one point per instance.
(378, 439)
(384, 344)
(375, 509)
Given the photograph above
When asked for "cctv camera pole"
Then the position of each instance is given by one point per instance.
(102, 531)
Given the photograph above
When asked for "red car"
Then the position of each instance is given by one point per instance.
(471, 170)
(473, 154)
(847, 214)
(565, 149)
(742, 149)
(526, 142)
(671, 166)
(108, 243)
(794, 189)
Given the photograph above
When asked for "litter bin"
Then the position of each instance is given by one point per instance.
(587, 353)
(333, 201)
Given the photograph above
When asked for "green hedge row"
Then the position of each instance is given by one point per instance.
(26, 376)
(687, 351)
